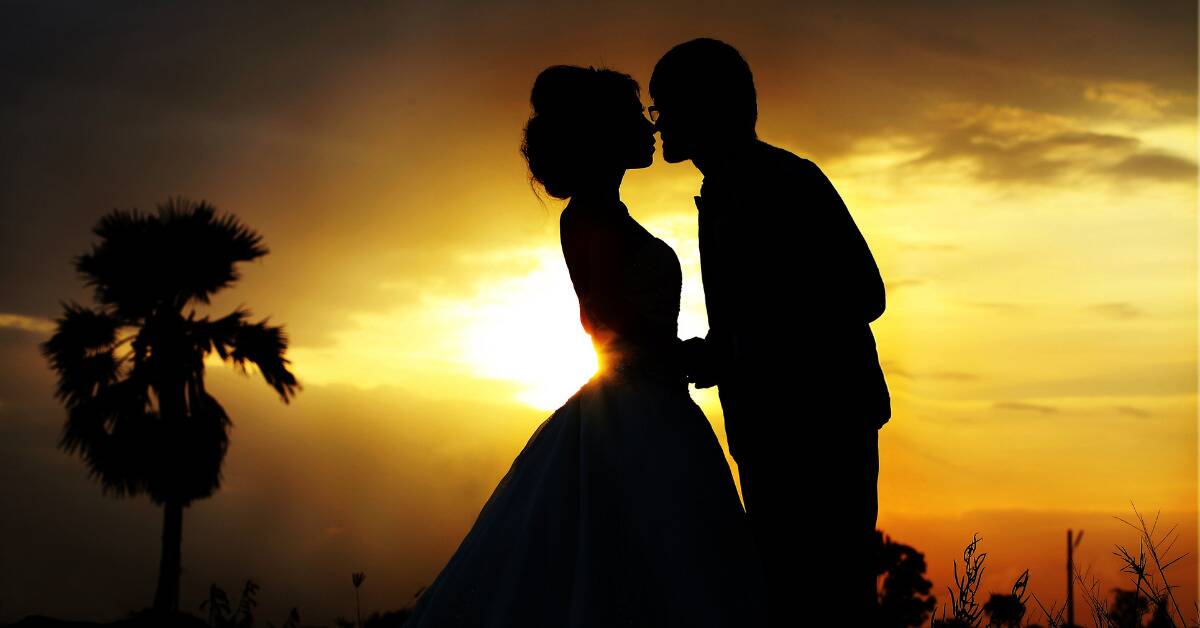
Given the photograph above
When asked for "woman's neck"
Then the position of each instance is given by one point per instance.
(605, 190)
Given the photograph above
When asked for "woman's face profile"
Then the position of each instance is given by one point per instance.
(635, 135)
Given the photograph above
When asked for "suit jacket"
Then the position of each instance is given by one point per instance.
(791, 288)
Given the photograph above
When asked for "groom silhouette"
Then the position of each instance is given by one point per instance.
(790, 287)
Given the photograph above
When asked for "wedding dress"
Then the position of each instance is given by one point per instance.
(621, 509)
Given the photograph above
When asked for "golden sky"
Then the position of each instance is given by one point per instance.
(1025, 174)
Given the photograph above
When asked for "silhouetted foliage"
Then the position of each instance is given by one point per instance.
(966, 611)
(151, 618)
(131, 370)
(357, 579)
(292, 621)
(1002, 609)
(217, 605)
(386, 619)
(904, 598)
(219, 612)
(1006, 610)
(1152, 594)
(1054, 615)
(952, 623)
(1127, 608)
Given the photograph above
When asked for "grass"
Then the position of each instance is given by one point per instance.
(1151, 602)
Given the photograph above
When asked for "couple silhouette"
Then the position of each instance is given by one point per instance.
(621, 510)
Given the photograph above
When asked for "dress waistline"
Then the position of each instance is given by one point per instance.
(658, 362)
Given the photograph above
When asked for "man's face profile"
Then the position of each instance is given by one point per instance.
(676, 127)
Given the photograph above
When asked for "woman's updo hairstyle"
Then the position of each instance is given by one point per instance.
(574, 109)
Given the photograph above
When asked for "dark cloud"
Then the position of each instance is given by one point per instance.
(1134, 411)
(951, 44)
(1005, 156)
(1157, 166)
(346, 133)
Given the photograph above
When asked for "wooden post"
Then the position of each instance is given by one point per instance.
(1070, 580)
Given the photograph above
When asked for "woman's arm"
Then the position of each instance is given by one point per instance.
(591, 248)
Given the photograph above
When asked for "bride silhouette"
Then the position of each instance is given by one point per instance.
(620, 510)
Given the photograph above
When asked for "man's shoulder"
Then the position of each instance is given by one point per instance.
(771, 164)
(765, 171)
(783, 159)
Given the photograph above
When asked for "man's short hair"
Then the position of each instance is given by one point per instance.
(711, 74)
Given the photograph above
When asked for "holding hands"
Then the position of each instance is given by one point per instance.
(697, 362)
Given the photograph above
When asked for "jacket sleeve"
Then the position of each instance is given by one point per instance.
(842, 276)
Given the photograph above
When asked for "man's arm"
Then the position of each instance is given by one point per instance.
(847, 280)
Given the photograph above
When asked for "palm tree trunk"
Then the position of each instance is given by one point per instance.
(166, 598)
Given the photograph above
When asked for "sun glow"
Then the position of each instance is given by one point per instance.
(526, 330)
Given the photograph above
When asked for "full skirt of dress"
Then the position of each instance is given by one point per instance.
(619, 511)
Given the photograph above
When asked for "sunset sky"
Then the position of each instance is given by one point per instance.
(1025, 174)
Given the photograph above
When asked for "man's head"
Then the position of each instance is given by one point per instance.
(704, 95)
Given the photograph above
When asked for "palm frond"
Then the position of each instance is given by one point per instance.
(217, 335)
(207, 246)
(81, 352)
(113, 432)
(264, 346)
(118, 266)
(147, 262)
(235, 339)
(140, 417)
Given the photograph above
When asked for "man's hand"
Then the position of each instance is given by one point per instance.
(697, 363)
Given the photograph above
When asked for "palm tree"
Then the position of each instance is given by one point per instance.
(131, 370)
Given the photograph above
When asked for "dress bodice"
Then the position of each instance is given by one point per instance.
(628, 283)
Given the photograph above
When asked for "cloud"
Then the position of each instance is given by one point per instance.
(22, 322)
(1131, 98)
(1009, 144)
(1119, 310)
(998, 306)
(1134, 411)
(1021, 406)
(950, 44)
(1006, 144)
(890, 286)
(892, 368)
(1155, 165)
(1164, 379)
